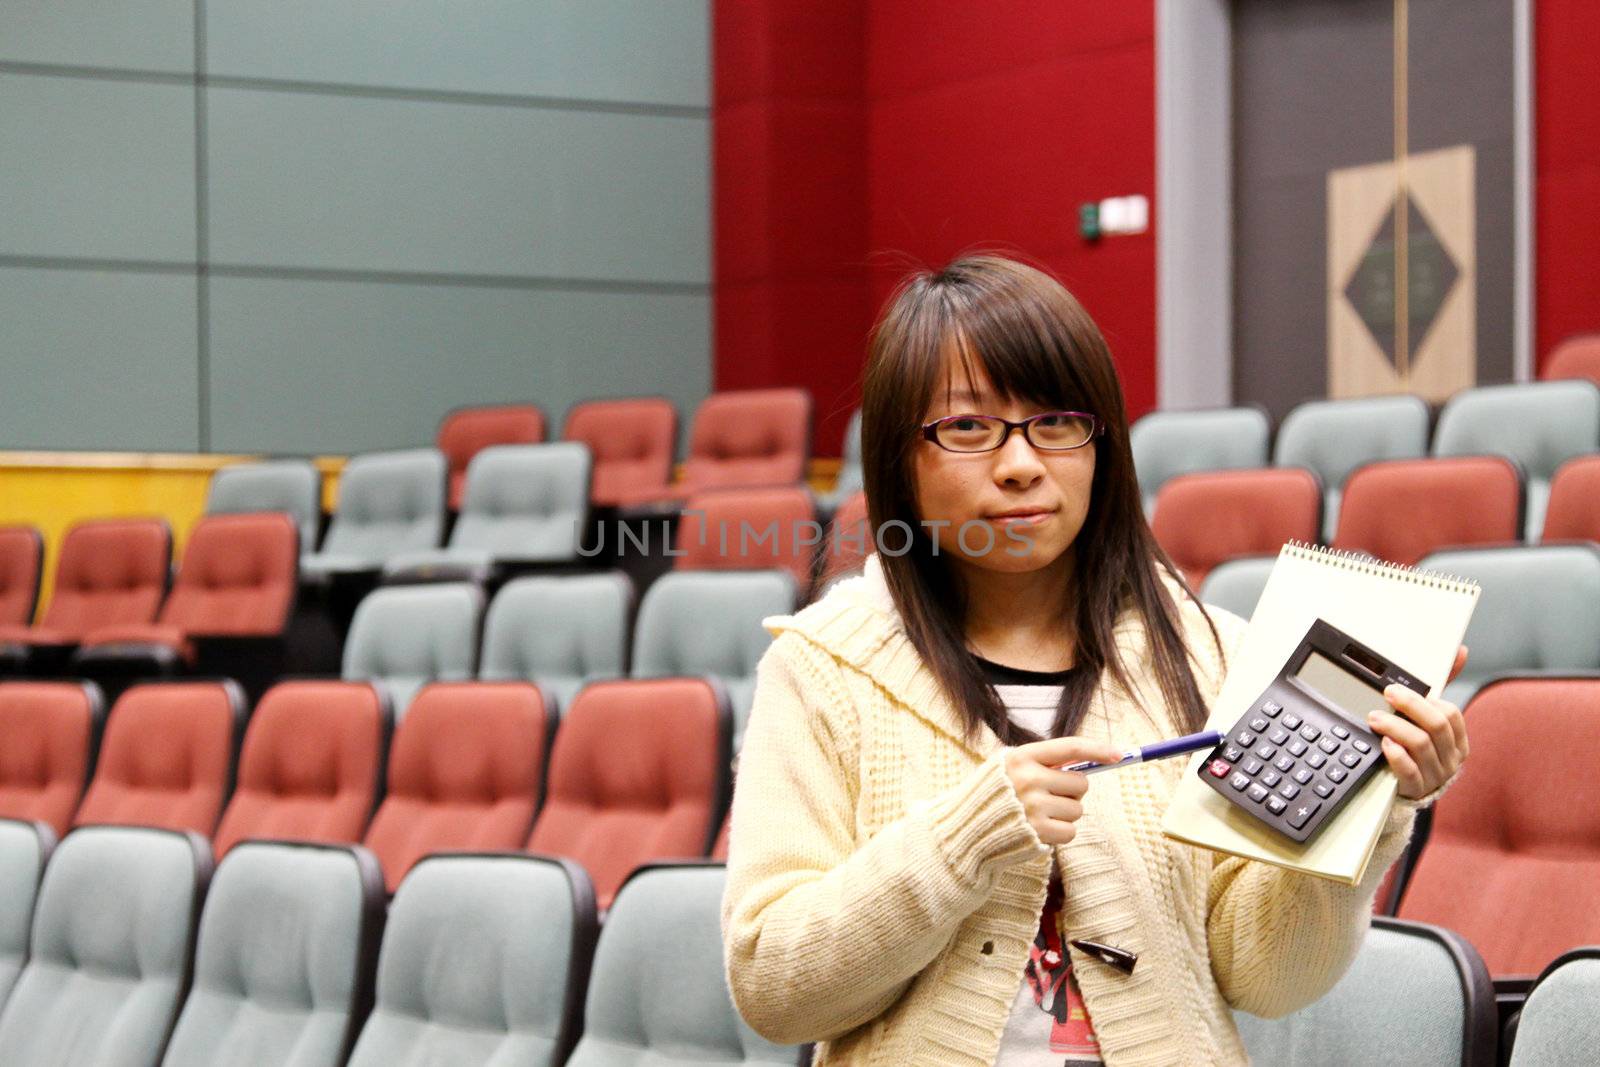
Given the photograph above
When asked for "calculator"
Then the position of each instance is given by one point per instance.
(1303, 748)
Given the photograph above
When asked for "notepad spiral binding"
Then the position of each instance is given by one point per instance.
(1357, 561)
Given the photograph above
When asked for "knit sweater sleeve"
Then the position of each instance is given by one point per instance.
(822, 931)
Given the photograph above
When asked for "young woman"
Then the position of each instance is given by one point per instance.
(911, 874)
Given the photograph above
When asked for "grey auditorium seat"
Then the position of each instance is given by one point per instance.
(560, 632)
(1560, 1023)
(24, 850)
(289, 485)
(1169, 443)
(389, 502)
(657, 993)
(849, 480)
(709, 623)
(109, 960)
(1536, 612)
(1540, 425)
(1334, 437)
(406, 636)
(522, 504)
(1416, 994)
(483, 964)
(1236, 585)
(283, 964)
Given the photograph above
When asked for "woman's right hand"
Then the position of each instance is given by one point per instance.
(1053, 798)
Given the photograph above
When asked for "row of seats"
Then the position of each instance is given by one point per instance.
(131, 951)
(1539, 426)
(637, 771)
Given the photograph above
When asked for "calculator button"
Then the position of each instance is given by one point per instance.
(1277, 805)
(1246, 738)
(1271, 778)
(1258, 724)
(1232, 753)
(1266, 751)
(1309, 732)
(1316, 759)
(1328, 745)
(1278, 736)
(1351, 759)
(1361, 746)
(1219, 768)
(1239, 781)
(1271, 708)
(1297, 747)
(1322, 789)
(1258, 793)
(1340, 732)
(1288, 790)
(1252, 767)
(1284, 764)
(1302, 813)
(1337, 774)
(1304, 775)
(1292, 721)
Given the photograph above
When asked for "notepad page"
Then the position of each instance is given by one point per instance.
(1413, 618)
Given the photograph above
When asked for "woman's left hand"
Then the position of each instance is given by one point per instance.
(1429, 744)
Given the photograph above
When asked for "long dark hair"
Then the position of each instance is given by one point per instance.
(1036, 343)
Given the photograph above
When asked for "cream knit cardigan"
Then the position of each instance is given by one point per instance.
(884, 884)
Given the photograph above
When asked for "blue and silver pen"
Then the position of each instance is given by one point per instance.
(1178, 746)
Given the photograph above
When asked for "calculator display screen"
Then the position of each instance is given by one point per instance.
(1339, 687)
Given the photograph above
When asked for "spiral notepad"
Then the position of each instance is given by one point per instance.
(1415, 618)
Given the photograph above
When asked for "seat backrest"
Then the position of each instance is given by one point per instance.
(1536, 610)
(465, 773)
(1558, 1023)
(48, 735)
(109, 956)
(1513, 837)
(561, 632)
(750, 529)
(21, 560)
(389, 502)
(1168, 443)
(749, 438)
(1464, 500)
(1574, 507)
(238, 576)
(662, 934)
(1415, 994)
(310, 766)
(484, 963)
(109, 573)
(633, 442)
(525, 502)
(850, 474)
(709, 622)
(24, 850)
(637, 774)
(1207, 518)
(283, 958)
(407, 636)
(1334, 437)
(168, 756)
(465, 432)
(849, 540)
(293, 486)
(1576, 357)
(1237, 585)
(1540, 425)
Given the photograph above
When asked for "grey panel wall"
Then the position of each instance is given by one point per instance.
(402, 206)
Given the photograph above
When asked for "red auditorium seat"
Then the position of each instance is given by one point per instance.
(748, 438)
(750, 529)
(310, 766)
(638, 773)
(109, 573)
(464, 774)
(48, 732)
(1576, 357)
(719, 851)
(1207, 518)
(167, 759)
(1573, 513)
(465, 432)
(849, 539)
(1401, 510)
(1514, 854)
(633, 442)
(21, 557)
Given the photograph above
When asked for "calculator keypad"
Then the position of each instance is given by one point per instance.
(1291, 769)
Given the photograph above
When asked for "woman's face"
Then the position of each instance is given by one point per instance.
(1014, 509)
